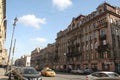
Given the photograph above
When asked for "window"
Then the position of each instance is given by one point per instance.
(96, 45)
(94, 25)
(91, 46)
(95, 35)
(86, 46)
(102, 32)
(103, 75)
(82, 38)
(91, 36)
(111, 20)
(92, 56)
(96, 75)
(86, 37)
(85, 29)
(104, 42)
(116, 32)
(80, 22)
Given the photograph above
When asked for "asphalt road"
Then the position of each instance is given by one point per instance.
(64, 76)
(59, 76)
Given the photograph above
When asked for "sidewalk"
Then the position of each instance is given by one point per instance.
(2, 76)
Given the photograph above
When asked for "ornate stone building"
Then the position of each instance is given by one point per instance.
(61, 50)
(3, 51)
(41, 58)
(92, 41)
(34, 55)
(23, 61)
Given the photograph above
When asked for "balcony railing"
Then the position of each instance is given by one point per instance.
(103, 48)
(72, 54)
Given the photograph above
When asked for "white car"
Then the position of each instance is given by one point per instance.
(77, 71)
(103, 75)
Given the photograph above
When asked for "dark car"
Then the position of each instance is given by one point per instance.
(88, 71)
(27, 73)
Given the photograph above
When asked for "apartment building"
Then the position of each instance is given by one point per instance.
(44, 57)
(3, 51)
(92, 41)
(34, 55)
(23, 61)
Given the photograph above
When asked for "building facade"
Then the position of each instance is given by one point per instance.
(3, 51)
(92, 41)
(43, 58)
(34, 55)
(23, 61)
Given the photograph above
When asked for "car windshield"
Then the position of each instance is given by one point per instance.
(113, 74)
(30, 71)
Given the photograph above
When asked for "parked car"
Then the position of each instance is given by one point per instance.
(26, 73)
(48, 72)
(77, 71)
(88, 71)
(103, 75)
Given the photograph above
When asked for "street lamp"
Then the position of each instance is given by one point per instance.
(13, 52)
(14, 24)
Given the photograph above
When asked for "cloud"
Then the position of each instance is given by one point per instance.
(38, 39)
(62, 4)
(32, 20)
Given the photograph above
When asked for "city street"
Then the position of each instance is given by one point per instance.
(59, 76)
(65, 76)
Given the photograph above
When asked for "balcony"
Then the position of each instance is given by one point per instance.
(102, 37)
(73, 54)
(103, 48)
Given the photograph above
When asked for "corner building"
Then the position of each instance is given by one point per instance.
(3, 51)
(92, 41)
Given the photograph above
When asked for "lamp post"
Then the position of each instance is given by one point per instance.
(13, 52)
(14, 24)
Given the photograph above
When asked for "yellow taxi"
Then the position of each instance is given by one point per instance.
(48, 72)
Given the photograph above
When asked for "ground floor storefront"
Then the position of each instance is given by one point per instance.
(103, 65)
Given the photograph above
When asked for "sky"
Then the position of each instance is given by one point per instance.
(39, 21)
